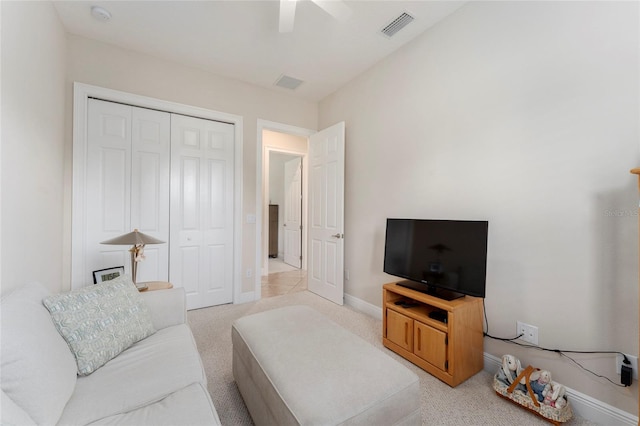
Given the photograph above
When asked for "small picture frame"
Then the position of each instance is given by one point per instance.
(102, 275)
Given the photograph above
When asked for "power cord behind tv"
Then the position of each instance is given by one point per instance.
(626, 368)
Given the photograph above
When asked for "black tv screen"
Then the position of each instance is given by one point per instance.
(446, 258)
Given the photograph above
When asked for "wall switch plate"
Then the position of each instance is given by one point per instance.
(529, 333)
(633, 365)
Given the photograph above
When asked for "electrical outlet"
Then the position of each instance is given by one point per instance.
(529, 332)
(248, 273)
(633, 365)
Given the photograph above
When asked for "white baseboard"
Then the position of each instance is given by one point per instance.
(249, 296)
(583, 405)
(364, 307)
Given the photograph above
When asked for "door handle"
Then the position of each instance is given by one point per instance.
(338, 236)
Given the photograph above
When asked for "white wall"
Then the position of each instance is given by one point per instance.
(108, 66)
(33, 82)
(524, 114)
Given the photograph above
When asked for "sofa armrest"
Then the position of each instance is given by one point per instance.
(167, 307)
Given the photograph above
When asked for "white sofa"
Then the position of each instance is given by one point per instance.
(159, 380)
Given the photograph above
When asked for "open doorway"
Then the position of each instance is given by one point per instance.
(323, 164)
(285, 212)
(282, 239)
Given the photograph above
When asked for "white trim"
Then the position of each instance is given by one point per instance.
(583, 405)
(261, 202)
(247, 296)
(81, 94)
(364, 307)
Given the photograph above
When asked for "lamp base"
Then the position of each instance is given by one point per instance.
(141, 286)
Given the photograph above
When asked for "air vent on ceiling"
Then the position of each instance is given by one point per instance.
(288, 82)
(397, 24)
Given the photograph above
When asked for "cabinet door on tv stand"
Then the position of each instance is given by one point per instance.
(431, 345)
(400, 329)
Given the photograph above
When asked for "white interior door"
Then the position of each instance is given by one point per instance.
(293, 212)
(325, 274)
(127, 186)
(202, 171)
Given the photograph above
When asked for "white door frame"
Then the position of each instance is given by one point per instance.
(81, 94)
(262, 182)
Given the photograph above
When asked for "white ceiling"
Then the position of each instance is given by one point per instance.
(240, 39)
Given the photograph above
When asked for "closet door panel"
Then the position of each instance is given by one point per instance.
(189, 193)
(108, 194)
(202, 209)
(217, 267)
(151, 137)
(216, 227)
(218, 151)
(188, 271)
(137, 168)
(113, 191)
(127, 186)
(216, 212)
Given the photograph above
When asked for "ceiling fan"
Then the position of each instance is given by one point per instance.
(336, 8)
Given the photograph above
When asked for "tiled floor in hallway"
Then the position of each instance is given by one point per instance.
(283, 282)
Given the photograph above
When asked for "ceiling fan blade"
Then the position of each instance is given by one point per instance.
(287, 15)
(336, 8)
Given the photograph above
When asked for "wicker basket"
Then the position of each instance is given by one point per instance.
(529, 401)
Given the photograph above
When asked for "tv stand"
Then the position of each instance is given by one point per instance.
(414, 326)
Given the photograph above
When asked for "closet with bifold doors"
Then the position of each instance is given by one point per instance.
(170, 176)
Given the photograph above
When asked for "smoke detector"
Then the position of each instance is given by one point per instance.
(100, 13)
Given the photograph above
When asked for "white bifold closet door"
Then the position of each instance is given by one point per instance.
(127, 181)
(201, 252)
(172, 177)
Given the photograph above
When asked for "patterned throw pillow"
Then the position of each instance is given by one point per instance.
(100, 321)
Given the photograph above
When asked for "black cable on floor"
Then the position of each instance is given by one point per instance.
(561, 352)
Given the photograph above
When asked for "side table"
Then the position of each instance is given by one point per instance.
(153, 285)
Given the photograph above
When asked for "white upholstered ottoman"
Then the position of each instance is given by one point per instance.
(295, 366)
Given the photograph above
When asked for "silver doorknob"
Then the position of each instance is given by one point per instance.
(337, 235)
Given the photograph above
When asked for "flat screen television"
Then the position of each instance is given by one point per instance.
(444, 258)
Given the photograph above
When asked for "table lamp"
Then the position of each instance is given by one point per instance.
(138, 240)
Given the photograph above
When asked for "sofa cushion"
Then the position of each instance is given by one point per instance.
(37, 371)
(147, 372)
(100, 321)
(11, 414)
(189, 406)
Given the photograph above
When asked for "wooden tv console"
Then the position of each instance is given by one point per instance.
(452, 351)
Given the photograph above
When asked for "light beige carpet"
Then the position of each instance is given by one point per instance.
(471, 403)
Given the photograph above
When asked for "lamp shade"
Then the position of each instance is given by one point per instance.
(133, 238)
